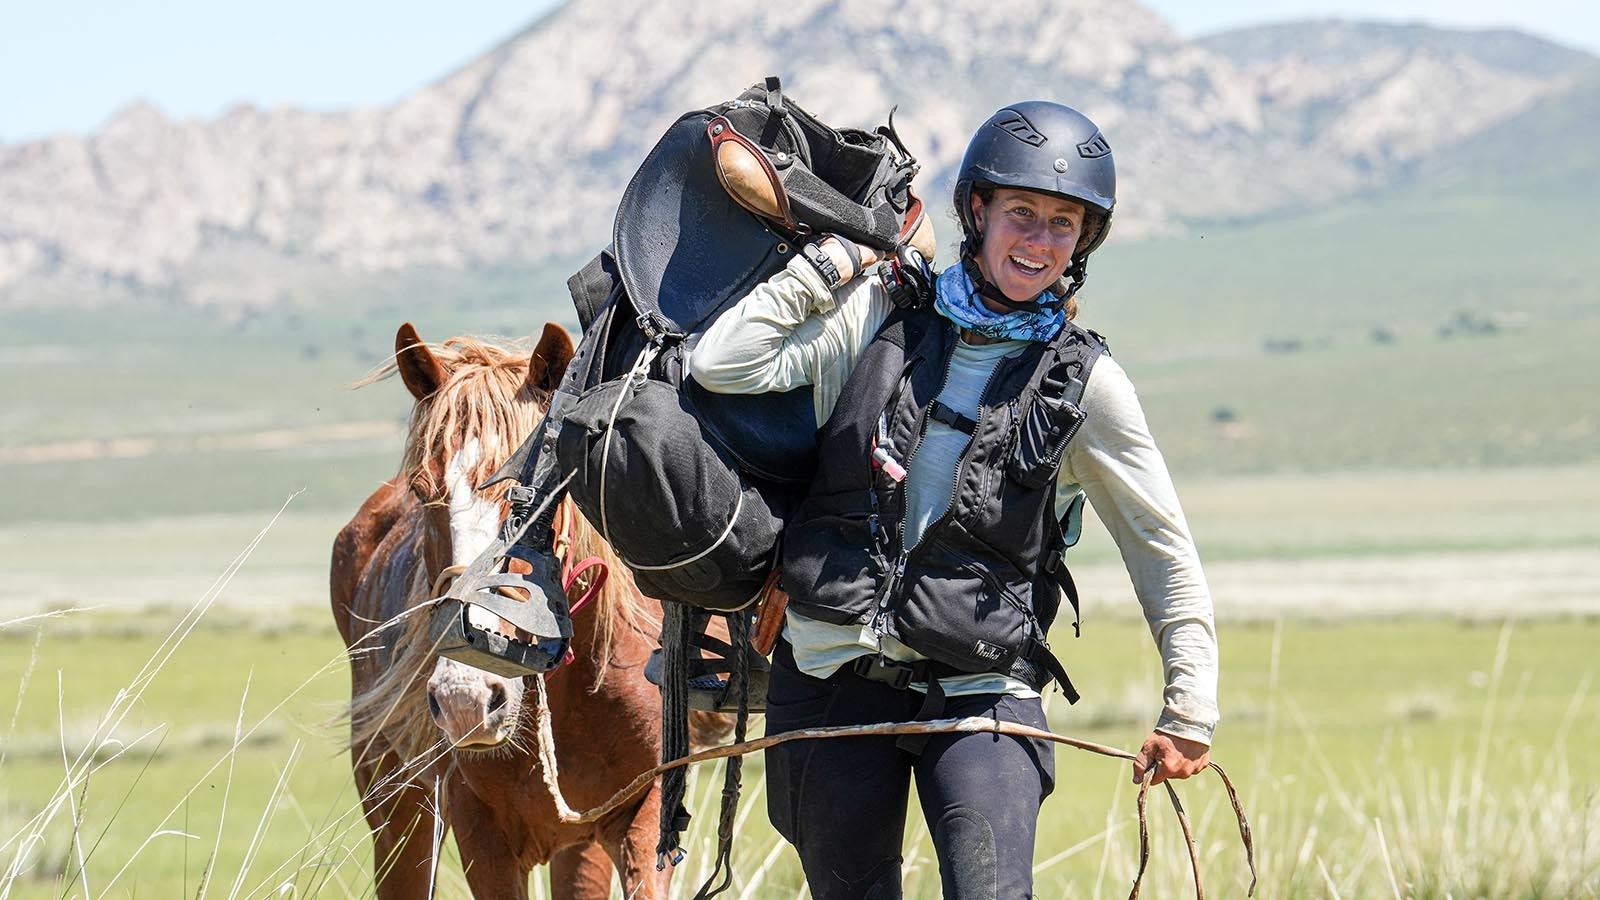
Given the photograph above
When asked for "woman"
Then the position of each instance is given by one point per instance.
(924, 568)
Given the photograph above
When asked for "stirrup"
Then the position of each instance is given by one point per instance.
(485, 583)
(713, 681)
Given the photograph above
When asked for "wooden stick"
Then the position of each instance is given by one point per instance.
(968, 725)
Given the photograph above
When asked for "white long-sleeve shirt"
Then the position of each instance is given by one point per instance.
(793, 331)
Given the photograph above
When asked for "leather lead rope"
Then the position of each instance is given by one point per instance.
(968, 725)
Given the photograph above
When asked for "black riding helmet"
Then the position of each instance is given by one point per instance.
(1038, 145)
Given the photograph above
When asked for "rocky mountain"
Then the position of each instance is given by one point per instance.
(1383, 97)
(521, 155)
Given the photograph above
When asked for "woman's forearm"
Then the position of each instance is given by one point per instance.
(788, 332)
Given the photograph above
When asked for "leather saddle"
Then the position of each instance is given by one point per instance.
(722, 202)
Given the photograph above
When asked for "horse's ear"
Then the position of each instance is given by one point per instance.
(419, 368)
(550, 359)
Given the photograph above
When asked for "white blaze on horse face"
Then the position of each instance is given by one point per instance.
(474, 521)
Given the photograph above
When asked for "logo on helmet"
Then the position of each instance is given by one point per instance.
(1094, 147)
(1015, 124)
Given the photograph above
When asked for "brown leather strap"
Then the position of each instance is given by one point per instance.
(769, 615)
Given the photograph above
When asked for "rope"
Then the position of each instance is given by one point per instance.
(968, 725)
(641, 365)
(547, 749)
(733, 519)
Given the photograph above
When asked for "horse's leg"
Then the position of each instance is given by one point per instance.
(494, 866)
(631, 841)
(581, 872)
(402, 817)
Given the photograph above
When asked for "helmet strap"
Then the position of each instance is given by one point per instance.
(988, 290)
(1076, 273)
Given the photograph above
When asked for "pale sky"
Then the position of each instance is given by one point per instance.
(69, 65)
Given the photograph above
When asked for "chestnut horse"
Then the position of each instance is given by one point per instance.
(437, 745)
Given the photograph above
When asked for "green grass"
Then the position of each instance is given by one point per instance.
(213, 417)
(1464, 741)
(1312, 343)
(1257, 347)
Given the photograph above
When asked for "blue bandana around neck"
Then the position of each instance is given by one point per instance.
(957, 300)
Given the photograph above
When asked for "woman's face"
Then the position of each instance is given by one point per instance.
(1028, 239)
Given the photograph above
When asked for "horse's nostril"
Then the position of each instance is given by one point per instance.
(433, 707)
(497, 698)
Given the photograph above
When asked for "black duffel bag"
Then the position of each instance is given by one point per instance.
(673, 504)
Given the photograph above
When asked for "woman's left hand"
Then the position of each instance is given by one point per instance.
(1173, 757)
(850, 259)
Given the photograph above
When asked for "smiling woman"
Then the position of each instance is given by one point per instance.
(1029, 240)
(925, 568)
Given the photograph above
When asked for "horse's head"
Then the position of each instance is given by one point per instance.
(475, 404)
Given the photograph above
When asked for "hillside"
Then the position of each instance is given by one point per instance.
(517, 158)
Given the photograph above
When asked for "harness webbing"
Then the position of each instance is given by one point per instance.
(732, 777)
(675, 626)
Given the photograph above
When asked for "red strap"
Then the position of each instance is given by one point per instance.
(571, 573)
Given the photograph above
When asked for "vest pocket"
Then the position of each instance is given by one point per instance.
(828, 566)
(1041, 438)
(964, 615)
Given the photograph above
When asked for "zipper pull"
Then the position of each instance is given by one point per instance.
(882, 460)
(881, 457)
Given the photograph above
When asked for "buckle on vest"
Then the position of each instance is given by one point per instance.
(895, 674)
(939, 412)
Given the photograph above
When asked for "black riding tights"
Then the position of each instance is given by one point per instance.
(842, 801)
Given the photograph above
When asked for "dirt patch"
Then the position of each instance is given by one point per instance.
(1471, 585)
(135, 448)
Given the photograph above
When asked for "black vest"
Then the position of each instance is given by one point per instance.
(979, 591)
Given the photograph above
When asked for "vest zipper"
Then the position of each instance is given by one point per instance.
(966, 455)
(886, 595)
(889, 592)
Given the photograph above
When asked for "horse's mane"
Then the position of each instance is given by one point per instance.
(485, 395)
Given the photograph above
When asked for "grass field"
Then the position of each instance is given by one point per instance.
(1380, 418)
(1441, 756)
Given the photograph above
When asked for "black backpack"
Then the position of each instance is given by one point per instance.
(689, 487)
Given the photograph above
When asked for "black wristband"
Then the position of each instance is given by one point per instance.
(823, 263)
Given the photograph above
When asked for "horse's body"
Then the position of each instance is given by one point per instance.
(473, 768)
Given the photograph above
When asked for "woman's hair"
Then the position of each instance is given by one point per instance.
(985, 195)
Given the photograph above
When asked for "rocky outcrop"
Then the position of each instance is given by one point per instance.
(522, 154)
